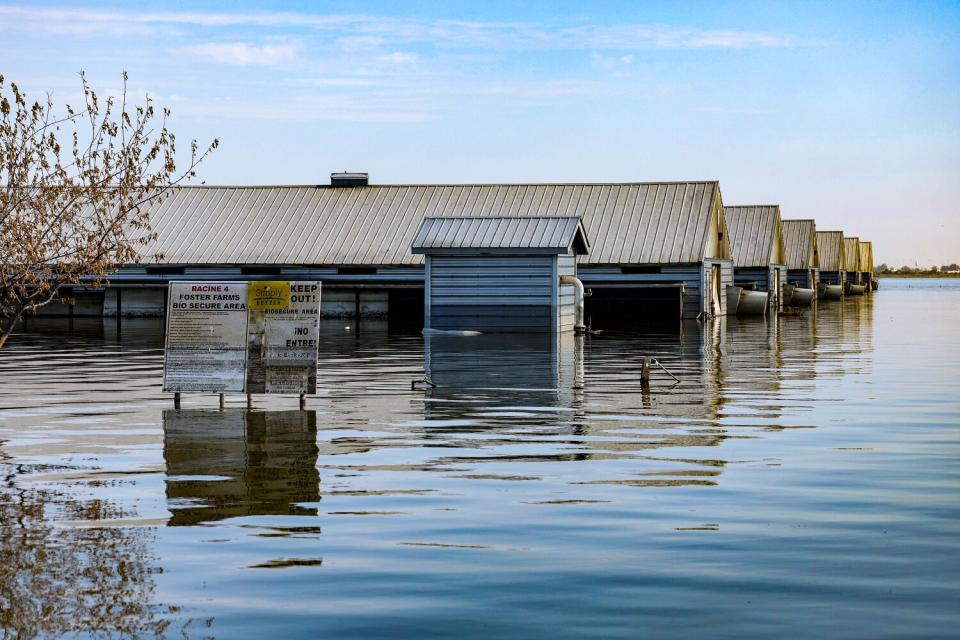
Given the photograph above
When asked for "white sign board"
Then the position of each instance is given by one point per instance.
(206, 345)
(258, 337)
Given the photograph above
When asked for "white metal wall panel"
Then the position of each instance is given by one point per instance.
(492, 294)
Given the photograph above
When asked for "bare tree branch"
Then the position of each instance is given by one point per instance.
(76, 191)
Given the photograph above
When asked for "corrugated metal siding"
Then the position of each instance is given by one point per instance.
(550, 233)
(566, 302)
(851, 254)
(830, 245)
(799, 237)
(805, 278)
(754, 231)
(764, 279)
(866, 257)
(782, 270)
(726, 280)
(832, 277)
(645, 223)
(494, 294)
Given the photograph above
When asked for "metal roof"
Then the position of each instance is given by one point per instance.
(866, 256)
(543, 234)
(851, 254)
(830, 245)
(629, 223)
(800, 243)
(754, 234)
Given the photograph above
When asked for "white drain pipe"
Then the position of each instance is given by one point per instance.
(578, 326)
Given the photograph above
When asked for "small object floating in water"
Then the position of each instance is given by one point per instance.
(423, 383)
(346, 328)
(445, 332)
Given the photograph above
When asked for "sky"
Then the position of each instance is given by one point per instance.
(846, 112)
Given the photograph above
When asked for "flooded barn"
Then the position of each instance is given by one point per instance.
(866, 264)
(759, 261)
(803, 256)
(658, 249)
(851, 259)
(832, 263)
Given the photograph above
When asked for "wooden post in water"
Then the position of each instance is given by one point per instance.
(356, 310)
(249, 401)
(221, 401)
(119, 310)
(176, 400)
(645, 374)
(303, 402)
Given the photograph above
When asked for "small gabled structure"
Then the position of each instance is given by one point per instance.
(851, 259)
(501, 274)
(756, 240)
(830, 245)
(866, 264)
(803, 255)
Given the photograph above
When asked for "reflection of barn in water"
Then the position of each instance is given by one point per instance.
(225, 464)
(507, 384)
(753, 356)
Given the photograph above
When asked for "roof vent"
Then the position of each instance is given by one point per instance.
(349, 179)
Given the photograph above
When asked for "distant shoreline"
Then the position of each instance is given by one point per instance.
(918, 275)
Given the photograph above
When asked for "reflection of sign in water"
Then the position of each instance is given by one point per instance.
(224, 464)
(258, 337)
(206, 347)
(283, 343)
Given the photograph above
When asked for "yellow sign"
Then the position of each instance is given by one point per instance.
(269, 295)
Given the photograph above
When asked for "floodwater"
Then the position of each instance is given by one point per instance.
(802, 479)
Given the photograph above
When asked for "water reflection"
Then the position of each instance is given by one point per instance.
(84, 577)
(234, 462)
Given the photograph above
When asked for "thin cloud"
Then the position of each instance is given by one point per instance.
(360, 31)
(243, 54)
(744, 111)
(398, 58)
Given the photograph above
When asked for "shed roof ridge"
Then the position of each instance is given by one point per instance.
(312, 185)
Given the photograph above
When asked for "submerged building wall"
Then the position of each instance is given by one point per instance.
(805, 278)
(832, 277)
(498, 294)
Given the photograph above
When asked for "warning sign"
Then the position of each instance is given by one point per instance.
(258, 337)
(283, 343)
